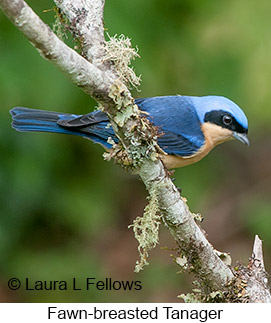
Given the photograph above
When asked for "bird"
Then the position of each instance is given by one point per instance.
(189, 126)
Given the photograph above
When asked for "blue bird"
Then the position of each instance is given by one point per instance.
(190, 126)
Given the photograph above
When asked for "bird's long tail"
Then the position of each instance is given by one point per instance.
(95, 129)
(25, 119)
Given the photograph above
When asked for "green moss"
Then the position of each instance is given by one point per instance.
(233, 292)
(146, 229)
(137, 134)
(137, 139)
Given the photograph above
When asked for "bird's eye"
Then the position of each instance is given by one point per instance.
(227, 120)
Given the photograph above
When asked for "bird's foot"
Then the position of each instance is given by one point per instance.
(179, 189)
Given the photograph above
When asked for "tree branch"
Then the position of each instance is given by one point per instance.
(86, 19)
(199, 255)
(257, 278)
(87, 76)
(98, 79)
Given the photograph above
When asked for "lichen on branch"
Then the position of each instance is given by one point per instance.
(120, 53)
(146, 230)
(137, 135)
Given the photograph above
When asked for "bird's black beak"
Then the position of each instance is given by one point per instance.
(241, 137)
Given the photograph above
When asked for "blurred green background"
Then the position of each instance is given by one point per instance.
(64, 211)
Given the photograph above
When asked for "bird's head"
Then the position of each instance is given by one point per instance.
(221, 118)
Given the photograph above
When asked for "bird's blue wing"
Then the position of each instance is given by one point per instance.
(174, 115)
(177, 119)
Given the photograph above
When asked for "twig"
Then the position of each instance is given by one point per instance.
(257, 289)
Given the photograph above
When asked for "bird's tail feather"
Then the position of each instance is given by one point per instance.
(25, 119)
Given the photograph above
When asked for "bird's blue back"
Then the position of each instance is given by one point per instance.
(177, 119)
